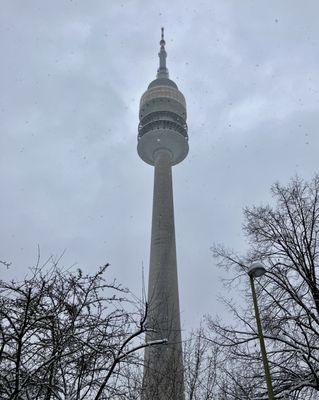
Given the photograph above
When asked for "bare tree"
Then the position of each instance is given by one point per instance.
(201, 367)
(66, 335)
(285, 237)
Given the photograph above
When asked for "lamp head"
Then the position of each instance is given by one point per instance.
(256, 269)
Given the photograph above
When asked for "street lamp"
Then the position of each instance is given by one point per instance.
(254, 271)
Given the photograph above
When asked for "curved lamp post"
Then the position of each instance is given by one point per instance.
(254, 271)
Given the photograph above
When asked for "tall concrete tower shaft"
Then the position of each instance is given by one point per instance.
(163, 142)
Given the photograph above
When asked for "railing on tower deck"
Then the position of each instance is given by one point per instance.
(163, 115)
(162, 124)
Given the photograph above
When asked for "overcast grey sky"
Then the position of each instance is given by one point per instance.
(72, 74)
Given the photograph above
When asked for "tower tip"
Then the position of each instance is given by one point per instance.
(162, 42)
(162, 71)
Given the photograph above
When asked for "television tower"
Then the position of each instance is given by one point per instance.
(163, 142)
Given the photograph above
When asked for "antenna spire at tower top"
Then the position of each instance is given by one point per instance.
(162, 42)
(162, 71)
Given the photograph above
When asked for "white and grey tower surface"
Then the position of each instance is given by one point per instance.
(163, 142)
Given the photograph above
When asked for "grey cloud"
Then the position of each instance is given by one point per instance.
(73, 73)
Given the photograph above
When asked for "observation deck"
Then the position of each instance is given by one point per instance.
(162, 118)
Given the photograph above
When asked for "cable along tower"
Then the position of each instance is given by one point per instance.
(162, 143)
